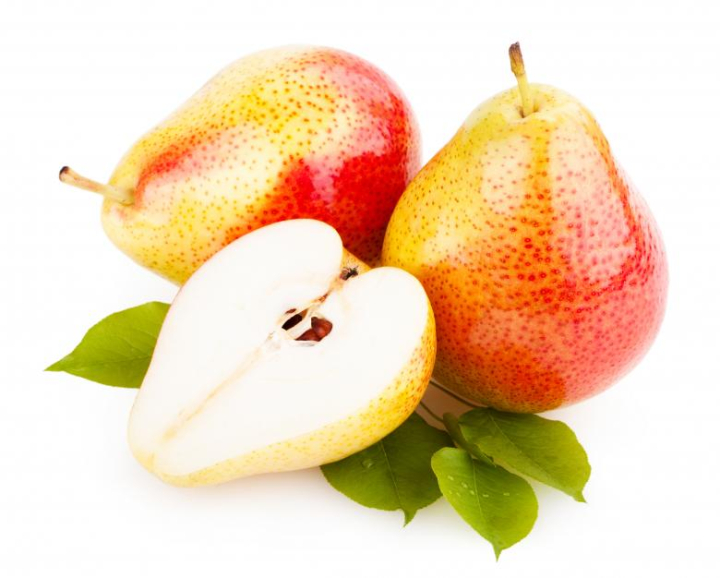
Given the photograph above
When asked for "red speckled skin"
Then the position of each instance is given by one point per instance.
(544, 267)
(299, 132)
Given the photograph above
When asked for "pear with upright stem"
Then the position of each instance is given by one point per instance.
(544, 266)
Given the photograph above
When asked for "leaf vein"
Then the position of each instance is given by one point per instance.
(113, 362)
(392, 474)
(477, 493)
(541, 468)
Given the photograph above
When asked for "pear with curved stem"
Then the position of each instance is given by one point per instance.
(287, 133)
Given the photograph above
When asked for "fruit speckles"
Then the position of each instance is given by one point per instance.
(545, 270)
(287, 133)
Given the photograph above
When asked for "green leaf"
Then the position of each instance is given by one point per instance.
(540, 448)
(453, 428)
(117, 350)
(500, 506)
(394, 473)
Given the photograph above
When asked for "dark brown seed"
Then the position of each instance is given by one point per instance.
(309, 335)
(321, 326)
(292, 322)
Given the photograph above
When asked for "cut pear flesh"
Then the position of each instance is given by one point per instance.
(231, 393)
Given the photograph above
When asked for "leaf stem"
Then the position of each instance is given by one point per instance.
(431, 413)
(452, 394)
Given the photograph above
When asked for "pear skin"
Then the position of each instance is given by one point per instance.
(544, 266)
(294, 132)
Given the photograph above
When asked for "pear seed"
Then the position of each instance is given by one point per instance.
(321, 326)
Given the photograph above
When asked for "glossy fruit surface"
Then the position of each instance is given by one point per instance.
(544, 267)
(286, 133)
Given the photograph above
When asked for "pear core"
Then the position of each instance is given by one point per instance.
(230, 377)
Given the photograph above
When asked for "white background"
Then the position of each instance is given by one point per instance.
(79, 81)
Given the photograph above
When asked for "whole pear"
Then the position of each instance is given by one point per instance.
(544, 266)
(285, 133)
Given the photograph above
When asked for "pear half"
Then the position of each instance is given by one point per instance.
(281, 352)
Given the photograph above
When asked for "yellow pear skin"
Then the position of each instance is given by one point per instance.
(293, 132)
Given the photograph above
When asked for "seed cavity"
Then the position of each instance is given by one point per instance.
(293, 321)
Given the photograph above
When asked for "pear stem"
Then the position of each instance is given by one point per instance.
(518, 69)
(70, 177)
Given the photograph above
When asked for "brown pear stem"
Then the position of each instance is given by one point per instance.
(70, 177)
(518, 69)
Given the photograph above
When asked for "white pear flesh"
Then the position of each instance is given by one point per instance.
(230, 393)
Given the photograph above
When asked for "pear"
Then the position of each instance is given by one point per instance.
(544, 266)
(281, 352)
(285, 133)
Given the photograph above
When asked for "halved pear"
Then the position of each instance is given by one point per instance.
(281, 352)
